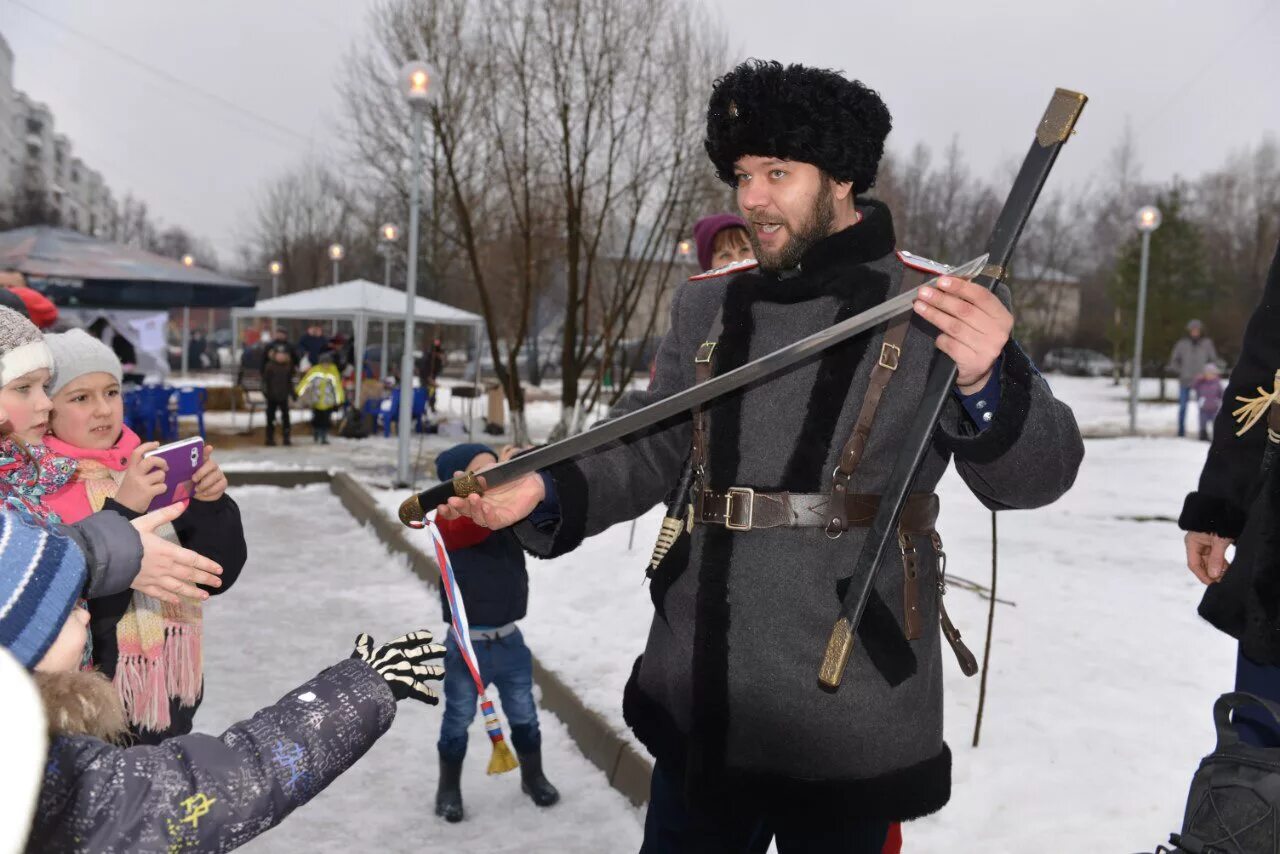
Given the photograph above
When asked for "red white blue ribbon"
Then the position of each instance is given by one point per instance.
(461, 629)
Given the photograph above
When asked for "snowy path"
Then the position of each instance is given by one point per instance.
(314, 580)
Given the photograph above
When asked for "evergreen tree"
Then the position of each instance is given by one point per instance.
(1179, 286)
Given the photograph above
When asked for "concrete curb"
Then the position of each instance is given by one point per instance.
(626, 769)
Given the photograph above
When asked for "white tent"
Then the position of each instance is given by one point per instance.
(360, 301)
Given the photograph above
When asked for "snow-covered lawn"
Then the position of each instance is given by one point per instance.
(313, 582)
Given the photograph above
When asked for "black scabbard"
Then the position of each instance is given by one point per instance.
(1051, 134)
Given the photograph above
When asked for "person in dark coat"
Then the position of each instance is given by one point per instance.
(191, 792)
(494, 586)
(1227, 508)
(748, 746)
(277, 388)
(313, 344)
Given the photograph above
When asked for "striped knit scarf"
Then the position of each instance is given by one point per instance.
(160, 643)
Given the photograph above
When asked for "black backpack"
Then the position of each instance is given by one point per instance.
(1234, 803)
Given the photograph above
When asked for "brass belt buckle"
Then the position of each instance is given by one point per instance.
(889, 356)
(746, 494)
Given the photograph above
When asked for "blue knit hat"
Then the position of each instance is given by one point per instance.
(41, 575)
(457, 457)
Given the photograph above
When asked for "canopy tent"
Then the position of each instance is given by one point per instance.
(361, 301)
(74, 269)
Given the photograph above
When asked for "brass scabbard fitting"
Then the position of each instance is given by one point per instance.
(839, 645)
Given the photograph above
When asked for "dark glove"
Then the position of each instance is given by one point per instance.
(402, 663)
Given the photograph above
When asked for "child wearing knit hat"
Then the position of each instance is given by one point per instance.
(193, 792)
(27, 470)
(151, 649)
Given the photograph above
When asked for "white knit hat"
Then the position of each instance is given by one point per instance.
(76, 353)
(22, 720)
(22, 347)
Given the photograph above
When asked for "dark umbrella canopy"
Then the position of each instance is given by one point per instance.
(74, 269)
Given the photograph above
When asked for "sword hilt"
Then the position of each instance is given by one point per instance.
(415, 508)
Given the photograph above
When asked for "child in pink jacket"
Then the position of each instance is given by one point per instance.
(151, 650)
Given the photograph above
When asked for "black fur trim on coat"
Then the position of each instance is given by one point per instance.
(899, 795)
(571, 490)
(710, 665)
(795, 112)
(1212, 515)
(988, 445)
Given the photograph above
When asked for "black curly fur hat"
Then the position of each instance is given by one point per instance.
(797, 113)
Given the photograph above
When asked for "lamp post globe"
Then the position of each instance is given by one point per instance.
(188, 260)
(1148, 218)
(416, 78)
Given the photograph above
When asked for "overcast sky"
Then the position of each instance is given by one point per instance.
(1195, 81)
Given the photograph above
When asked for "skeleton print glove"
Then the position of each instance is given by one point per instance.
(402, 662)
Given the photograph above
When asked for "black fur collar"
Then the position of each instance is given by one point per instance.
(825, 269)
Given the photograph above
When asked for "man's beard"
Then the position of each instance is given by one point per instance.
(821, 220)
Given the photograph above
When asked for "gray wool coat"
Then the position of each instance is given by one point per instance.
(726, 690)
(206, 793)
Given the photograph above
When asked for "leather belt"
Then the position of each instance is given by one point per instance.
(740, 508)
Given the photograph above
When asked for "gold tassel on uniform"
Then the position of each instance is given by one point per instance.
(1253, 408)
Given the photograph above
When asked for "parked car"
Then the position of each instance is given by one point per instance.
(1078, 362)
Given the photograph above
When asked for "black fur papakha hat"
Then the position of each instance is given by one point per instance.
(797, 113)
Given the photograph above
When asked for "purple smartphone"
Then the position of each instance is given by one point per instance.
(183, 457)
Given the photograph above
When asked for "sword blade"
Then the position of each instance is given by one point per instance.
(677, 404)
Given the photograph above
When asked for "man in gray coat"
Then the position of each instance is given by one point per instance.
(1192, 352)
(726, 695)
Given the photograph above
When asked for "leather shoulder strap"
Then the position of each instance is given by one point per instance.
(703, 370)
(886, 365)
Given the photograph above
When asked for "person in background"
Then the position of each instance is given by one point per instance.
(1192, 352)
(494, 586)
(313, 344)
(277, 388)
(321, 389)
(432, 368)
(196, 348)
(721, 239)
(1208, 389)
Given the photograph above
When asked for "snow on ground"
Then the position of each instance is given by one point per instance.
(1102, 676)
(295, 611)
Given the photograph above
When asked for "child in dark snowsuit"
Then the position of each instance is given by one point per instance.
(277, 388)
(489, 566)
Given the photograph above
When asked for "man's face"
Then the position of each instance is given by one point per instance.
(1194, 332)
(789, 206)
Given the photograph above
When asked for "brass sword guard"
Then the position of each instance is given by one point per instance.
(412, 513)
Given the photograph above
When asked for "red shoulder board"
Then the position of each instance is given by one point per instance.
(732, 267)
(923, 265)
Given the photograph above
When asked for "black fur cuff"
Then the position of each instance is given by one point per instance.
(571, 490)
(1212, 515)
(967, 443)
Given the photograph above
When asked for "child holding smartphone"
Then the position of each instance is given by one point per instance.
(150, 649)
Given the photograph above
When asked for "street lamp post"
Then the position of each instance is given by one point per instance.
(188, 261)
(389, 234)
(276, 269)
(336, 254)
(415, 78)
(1148, 221)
